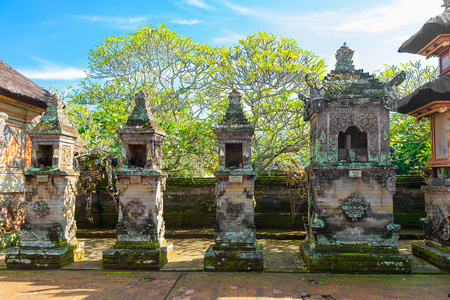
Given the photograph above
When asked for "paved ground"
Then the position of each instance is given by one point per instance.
(285, 277)
(97, 284)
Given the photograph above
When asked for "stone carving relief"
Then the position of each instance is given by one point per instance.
(41, 208)
(135, 209)
(55, 233)
(386, 179)
(68, 208)
(3, 118)
(366, 121)
(324, 180)
(354, 207)
(72, 230)
(66, 155)
(235, 210)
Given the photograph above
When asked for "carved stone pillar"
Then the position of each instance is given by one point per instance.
(351, 178)
(140, 181)
(235, 247)
(48, 236)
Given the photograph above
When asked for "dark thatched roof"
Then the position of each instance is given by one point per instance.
(16, 86)
(436, 90)
(431, 29)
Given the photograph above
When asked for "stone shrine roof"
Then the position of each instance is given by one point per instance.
(141, 118)
(431, 29)
(16, 86)
(436, 90)
(234, 119)
(346, 82)
(53, 120)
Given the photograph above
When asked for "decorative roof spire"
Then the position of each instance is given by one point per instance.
(141, 118)
(344, 60)
(235, 114)
(446, 4)
(53, 120)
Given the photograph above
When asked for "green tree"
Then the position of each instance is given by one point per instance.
(187, 84)
(269, 71)
(409, 137)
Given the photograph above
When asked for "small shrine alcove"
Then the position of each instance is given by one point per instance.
(44, 156)
(233, 155)
(137, 155)
(352, 144)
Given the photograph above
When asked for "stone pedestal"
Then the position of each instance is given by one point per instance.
(140, 182)
(235, 247)
(436, 249)
(48, 235)
(140, 230)
(351, 178)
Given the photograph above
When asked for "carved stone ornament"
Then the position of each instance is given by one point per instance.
(323, 180)
(121, 229)
(135, 208)
(66, 156)
(55, 233)
(354, 208)
(41, 208)
(73, 230)
(235, 210)
(3, 118)
(344, 57)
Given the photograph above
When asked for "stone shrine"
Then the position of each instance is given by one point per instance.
(140, 229)
(351, 178)
(235, 247)
(48, 235)
(432, 100)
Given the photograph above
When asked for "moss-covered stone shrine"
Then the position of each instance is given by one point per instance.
(350, 224)
(48, 238)
(235, 247)
(140, 229)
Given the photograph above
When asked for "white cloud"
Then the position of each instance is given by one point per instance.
(119, 22)
(186, 22)
(229, 38)
(379, 18)
(51, 71)
(198, 3)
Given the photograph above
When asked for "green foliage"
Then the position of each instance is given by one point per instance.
(409, 137)
(187, 84)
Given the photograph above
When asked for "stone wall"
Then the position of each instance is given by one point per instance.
(190, 203)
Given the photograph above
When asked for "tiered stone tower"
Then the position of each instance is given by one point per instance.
(140, 181)
(48, 234)
(351, 178)
(235, 247)
(432, 100)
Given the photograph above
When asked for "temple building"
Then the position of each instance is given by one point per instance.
(20, 102)
(432, 100)
(351, 177)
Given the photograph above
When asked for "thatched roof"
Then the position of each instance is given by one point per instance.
(436, 90)
(16, 86)
(431, 29)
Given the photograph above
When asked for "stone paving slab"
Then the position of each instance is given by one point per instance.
(98, 284)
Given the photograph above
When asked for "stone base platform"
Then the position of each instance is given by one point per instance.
(433, 253)
(137, 259)
(392, 263)
(43, 258)
(230, 260)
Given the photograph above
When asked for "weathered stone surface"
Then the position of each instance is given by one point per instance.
(232, 260)
(366, 262)
(43, 258)
(140, 182)
(235, 246)
(433, 253)
(137, 259)
(351, 177)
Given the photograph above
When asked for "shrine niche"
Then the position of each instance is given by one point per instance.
(140, 181)
(235, 247)
(48, 235)
(432, 100)
(351, 177)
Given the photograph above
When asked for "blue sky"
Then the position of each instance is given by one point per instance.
(49, 41)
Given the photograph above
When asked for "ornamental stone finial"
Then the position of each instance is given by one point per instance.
(344, 60)
(235, 97)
